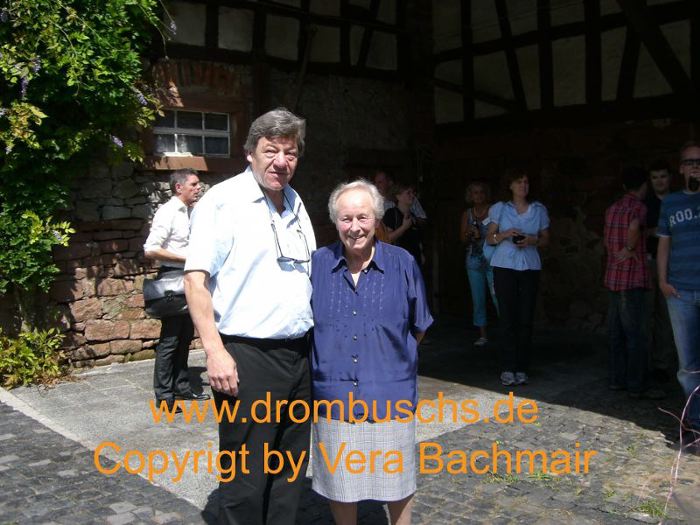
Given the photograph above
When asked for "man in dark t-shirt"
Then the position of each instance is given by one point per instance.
(678, 259)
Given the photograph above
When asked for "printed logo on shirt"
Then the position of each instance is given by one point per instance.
(685, 215)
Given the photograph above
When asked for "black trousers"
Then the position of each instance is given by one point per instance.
(170, 373)
(516, 292)
(280, 368)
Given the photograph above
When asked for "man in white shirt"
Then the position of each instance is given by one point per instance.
(167, 242)
(249, 292)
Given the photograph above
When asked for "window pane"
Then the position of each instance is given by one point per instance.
(215, 121)
(166, 121)
(189, 120)
(189, 144)
(216, 145)
(165, 143)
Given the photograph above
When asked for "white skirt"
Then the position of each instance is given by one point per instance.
(388, 472)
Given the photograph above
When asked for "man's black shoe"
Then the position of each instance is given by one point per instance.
(193, 396)
(170, 404)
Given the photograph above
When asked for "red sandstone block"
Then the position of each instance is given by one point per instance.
(131, 314)
(86, 310)
(114, 246)
(127, 346)
(145, 329)
(111, 287)
(91, 351)
(107, 235)
(135, 301)
(100, 330)
(66, 291)
(72, 251)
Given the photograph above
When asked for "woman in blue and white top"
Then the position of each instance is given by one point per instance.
(473, 228)
(517, 228)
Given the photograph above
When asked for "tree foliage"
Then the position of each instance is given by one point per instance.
(71, 88)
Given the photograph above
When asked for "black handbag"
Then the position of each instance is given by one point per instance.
(164, 296)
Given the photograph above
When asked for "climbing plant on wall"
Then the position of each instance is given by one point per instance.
(72, 88)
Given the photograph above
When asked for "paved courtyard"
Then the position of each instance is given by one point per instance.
(48, 438)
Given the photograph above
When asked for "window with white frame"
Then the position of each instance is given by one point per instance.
(183, 133)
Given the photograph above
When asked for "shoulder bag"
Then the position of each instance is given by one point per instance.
(164, 296)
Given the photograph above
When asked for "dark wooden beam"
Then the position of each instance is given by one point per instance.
(211, 31)
(694, 10)
(544, 53)
(367, 34)
(259, 27)
(304, 28)
(628, 66)
(467, 61)
(403, 40)
(184, 51)
(666, 106)
(594, 72)
(344, 36)
(482, 96)
(512, 59)
(644, 23)
(663, 13)
(348, 16)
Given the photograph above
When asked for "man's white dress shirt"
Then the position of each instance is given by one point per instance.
(231, 238)
(170, 230)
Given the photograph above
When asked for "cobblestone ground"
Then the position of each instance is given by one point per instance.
(46, 478)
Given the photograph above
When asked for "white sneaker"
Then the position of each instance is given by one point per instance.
(520, 378)
(481, 341)
(507, 378)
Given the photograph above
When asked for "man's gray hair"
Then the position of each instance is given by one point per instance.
(360, 184)
(180, 177)
(279, 122)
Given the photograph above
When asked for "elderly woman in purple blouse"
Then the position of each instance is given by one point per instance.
(370, 313)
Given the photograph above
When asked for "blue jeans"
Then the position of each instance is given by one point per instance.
(479, 280)
(685, 320)
(628, 354)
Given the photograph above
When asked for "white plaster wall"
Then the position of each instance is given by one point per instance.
(450, 71)
(448, 106)
(325, 7)
(387, 11)
(569, 69)
(522, 15)
(325, 46)
(491, 75)
(356, 33)
(678, 36)
(236, 29)
(382, 51)
(281, 37)
(190, 20)
(649, 80)
(361, 3)
(447, 31)
(529, 62)
(608, 7)
(566, 11)
(484, 21)
(612, 45)
(483, 110)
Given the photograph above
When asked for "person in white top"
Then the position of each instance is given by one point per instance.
(167, 243)
(248, 290)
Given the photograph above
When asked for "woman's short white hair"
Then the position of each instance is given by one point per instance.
(360, 184)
